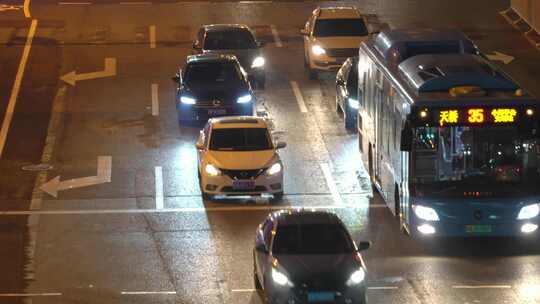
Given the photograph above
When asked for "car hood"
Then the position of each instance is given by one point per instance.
(352, 42)
(328, 270)
(225, 93)
(242, 160)
(245, 56)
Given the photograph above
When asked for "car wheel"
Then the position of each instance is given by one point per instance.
(350, 122)
(277, 197)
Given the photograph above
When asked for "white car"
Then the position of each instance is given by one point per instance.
(331, 35)
(238, 156)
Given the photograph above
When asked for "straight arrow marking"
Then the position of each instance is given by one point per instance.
(109, 71)
(104, 167)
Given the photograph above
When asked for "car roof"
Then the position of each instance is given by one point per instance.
(234, 122)
(211, 57)
(337, 12)
(225, 27)
(306, 217)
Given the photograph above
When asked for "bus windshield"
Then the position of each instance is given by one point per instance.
(480, 161)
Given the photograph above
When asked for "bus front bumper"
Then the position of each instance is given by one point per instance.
(517, 228)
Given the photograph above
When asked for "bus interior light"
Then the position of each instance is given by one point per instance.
(425, 213)
(426, 229)
(529, 228)
(529, 212)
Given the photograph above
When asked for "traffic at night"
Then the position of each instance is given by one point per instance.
(280, 152)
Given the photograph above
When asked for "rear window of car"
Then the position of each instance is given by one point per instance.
(240, 139)
(312, 239)
(229, 40)
(212, 72)
(340, 27)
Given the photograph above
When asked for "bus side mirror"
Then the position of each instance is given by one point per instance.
(406, 138)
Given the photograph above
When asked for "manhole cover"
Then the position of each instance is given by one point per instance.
(38, 167)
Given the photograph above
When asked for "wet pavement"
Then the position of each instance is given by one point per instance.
(113, 243)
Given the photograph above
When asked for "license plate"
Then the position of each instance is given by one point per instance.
(321, 296)
(478, 228)
(215, 112)
(243, 184)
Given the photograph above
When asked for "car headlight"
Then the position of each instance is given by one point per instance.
(528, 212)
(317, 50)
(274, 169)
(357, 277)
(426, 213)
(353, 103)
(212, 170)
(280, 278)
(244, 99)
(258, 62)
(187, 100)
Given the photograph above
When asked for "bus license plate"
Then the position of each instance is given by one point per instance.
(478, 228)
(243, 184)
(215, 112)
(320, 297)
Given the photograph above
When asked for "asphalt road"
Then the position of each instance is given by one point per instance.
(116, 242)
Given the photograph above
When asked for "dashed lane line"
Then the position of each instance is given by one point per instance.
(158, 175)
(26, 9)
(22, 295)
(148, 292)
(276, 36)
(482, 287)
(74, 3)
(155, 99)
(152, 36)
(10, 110)
(299, 97)
(331, 183)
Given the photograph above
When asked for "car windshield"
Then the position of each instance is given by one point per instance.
(340, 27)
(229, 40)
(212, 73)
(457, 161)
(312, 239)
(240, 139)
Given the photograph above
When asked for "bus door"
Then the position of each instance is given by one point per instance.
(378, 117)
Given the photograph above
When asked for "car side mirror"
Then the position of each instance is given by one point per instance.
(261, 247)
(281, 145)
(303, 32)
(196, 45)
(177, 77)
(406, 138)
(364, 246)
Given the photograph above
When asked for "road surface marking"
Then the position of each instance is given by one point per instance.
(177, 210)
(155, 99)
(74, 3)
(26, 8)
(482, 287)
(152, 36)
(108, 71)
(498, 56)
(331, 183)
(276, 36)
(104, 167)
(243, 290)
(159, 188)
(299, 98)
(383, 288)
(16, 86)
(136, 3)
(148, 292)
(46, 294)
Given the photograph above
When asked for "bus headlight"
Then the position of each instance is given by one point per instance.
(187, 100)
(212, 170)
(425, 213)
(258, 62)
(353, 103)
(357, 277)
(317, 50)
(528, 212)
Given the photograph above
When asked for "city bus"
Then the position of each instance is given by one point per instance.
(450, 141)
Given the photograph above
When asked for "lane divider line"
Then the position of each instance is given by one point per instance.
(331, 183)
(276, 36)
(10, 110)
(26, 8)
(21, 295)
(482, 287)
(383, 288)
(136, 3)
(148, 292)
(159, 188)
(155, 99)
(74, 3)
(299, 97)
(152, 36)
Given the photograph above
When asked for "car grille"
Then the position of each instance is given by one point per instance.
(342, 52)
(230, 189)
(243, 174)
(212, 104)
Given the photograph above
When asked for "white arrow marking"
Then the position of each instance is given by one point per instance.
(5, 7)
(103, 176)
(110, 70)
(497, 56)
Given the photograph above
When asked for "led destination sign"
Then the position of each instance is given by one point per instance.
(477, 115)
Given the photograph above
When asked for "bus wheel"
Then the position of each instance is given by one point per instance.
(370, 163)
(397, 206)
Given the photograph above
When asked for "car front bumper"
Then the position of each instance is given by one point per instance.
(224, 185)
(475, 229)
(354, 295)
(198, 113)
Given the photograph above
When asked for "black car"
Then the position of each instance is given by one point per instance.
(347, 92)
(305, 256)
(211, 86)
(235, 39)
